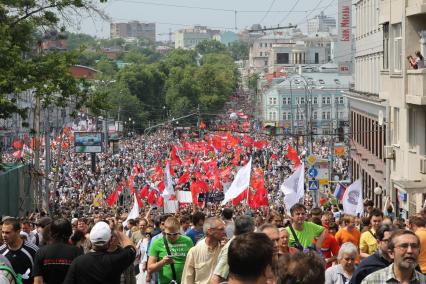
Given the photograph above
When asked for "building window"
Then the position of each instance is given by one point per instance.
(341, 100)
(328, 101)
(328, 115)
(316, 58)
(323, 100)
(260, 44)
(315, 115)
(261, 53)
(397, 47)
(315, 100)
(272, 115)
(284, 116)
(323, 115)
(302, 100)
(336, 100)
(386, 46)
(396, 125)
(270, 45)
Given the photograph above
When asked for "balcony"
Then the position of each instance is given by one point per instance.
(416, 87)
(416, 7)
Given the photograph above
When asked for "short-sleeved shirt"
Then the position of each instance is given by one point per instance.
(307, 235)
(329, 248)
(179, 250)
(368, 242)
(52, 261)
(222, 267)
(100, 267)
(345, 236)
(22, 260)
(386, 275)
(421, 233)
(195, 235)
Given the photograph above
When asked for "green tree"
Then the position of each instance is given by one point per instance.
(210, 46)
(252, 81)
(78, 41)
(239, 50)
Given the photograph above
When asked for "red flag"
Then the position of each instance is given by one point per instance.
(119, 188)
(160, 201)
(292, 155)
(144, 191)
(175, 156)
(217, 184)
(202, 125)
(161, 186)
(151, 197)
(184, 178)
(18, 154)
(17, 144)
(112, 198)
(239, 198)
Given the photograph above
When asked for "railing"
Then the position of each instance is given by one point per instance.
(416, 86)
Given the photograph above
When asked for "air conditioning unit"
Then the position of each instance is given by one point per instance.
(423, 165)
(389, 152)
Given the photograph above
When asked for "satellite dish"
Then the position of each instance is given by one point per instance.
(380, 118)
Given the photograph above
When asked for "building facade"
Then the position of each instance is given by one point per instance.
(322, 23)
(367, 110)
(188, 38)
(309, 103)
(404, 26)
(133, 29)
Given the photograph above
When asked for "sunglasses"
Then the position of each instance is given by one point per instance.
(172, 234)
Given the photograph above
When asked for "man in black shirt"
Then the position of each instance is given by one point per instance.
(19, 253)
(53, 260)
(378, 260)
(100, 266)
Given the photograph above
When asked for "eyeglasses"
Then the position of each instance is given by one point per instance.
(414, 246)
(172, 234)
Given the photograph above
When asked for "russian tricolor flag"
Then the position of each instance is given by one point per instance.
(339, 192)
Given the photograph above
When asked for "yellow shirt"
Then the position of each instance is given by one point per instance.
(421, 233)
(200, 263)
(368, 242)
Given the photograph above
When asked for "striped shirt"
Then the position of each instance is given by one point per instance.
(22, 259)
(386, 275)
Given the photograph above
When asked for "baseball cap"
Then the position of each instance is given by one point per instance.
(100, 233)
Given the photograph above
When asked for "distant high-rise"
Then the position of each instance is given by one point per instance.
(133, 29)
(322, 23)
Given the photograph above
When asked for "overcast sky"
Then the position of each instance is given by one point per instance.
(220, 14)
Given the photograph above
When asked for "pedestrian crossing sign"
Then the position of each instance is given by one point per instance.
(313, 185)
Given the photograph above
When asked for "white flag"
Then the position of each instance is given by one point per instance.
(240, 183)
(168, 184)
(352, 199)
(134, 213)
(293, 187)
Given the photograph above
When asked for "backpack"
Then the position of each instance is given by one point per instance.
(17, 277)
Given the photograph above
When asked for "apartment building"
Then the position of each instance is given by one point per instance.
(321, 23)
(404, 33)
(133, 29)
(367, 111)
(311, 102)
(188, 38)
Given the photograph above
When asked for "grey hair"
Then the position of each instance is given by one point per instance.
(348, 248)
(210, 223)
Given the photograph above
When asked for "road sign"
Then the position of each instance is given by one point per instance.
(313, 172)
(313, 185)
(311, 160)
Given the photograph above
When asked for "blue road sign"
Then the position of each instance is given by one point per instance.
(313, 185)
(313, 172)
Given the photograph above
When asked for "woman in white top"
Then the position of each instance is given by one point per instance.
(342, 273)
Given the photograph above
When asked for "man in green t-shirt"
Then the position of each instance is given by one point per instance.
(160, 261)
(305, 231)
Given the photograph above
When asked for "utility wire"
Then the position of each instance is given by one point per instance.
(267, 12)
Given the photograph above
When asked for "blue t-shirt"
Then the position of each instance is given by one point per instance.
(195, 235)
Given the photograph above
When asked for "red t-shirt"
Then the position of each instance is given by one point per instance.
(330, 247)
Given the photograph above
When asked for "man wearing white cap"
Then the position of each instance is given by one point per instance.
(100, 266)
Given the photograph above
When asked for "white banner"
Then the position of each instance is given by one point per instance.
(353, 200)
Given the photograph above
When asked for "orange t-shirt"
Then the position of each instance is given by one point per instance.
(344, 236)
(421, 233)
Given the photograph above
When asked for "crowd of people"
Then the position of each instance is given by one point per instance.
(91, 233)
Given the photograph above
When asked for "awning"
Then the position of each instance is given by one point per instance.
(415, 186)
(269, 124)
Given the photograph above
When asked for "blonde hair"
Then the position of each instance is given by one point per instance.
(172, 222)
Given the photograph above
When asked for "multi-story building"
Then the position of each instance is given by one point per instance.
(367, 110)
(404, 26)
(133, 29)
(289, 48)
(188, 38)
(313, 102)
(321, 23)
